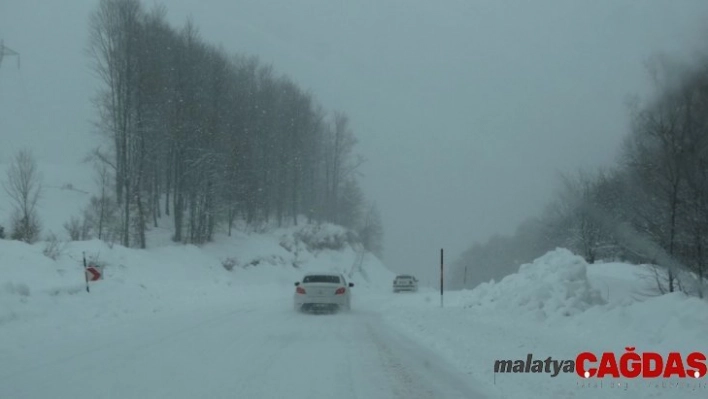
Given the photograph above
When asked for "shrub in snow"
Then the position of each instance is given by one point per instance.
(260, 226)
(272, 260)
(53, 248)
(554, 285)
(100, 219)
(2, 233)
(229, 263)
(319, 237)
(25, 229)
(288, 243)
(73, 228)
(295, 247)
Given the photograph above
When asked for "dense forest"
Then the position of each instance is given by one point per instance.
(651, 207)
(202, 139)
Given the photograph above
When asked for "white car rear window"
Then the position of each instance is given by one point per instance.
(321, 279)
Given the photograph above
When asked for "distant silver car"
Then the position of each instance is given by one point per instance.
(323, 292)
(405, 282)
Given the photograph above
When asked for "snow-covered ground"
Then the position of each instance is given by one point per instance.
(558, 306)
(172, 321)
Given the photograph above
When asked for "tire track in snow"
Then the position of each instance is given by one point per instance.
(347, 374)
(404, 384)
(252, 387)
(416, 372)
(118, 358)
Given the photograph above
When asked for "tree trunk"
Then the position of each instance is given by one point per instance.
(210, 222)
(126, 215)
(295, 192)
(168, 183)
(672, 232)
(178, 201)
(156, 202)
(141, 218)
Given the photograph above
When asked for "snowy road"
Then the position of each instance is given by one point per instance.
(256, 350)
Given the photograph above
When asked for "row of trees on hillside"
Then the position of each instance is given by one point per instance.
(208, 139)
(650, 208)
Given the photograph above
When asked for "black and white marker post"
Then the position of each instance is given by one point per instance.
(441, 277)
(86, 274)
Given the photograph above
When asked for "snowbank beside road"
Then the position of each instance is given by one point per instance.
(241, 268)
(556, 306)
(148, 295)
(554, 285)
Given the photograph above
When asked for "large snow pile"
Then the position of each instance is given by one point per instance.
(317, 237)
(553, 307)
(285, 254)
(554, 285)
(621, 283)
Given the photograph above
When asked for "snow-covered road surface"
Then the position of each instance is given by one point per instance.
(237, 350)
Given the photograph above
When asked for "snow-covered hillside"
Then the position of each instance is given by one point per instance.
(32, 284)
(166, 275)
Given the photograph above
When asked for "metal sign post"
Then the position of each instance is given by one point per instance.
(86, 274)
(441, 277)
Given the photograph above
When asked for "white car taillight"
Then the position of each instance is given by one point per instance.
(340, 291)
(300, 290)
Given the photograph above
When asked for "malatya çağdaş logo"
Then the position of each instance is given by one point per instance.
(630, 364)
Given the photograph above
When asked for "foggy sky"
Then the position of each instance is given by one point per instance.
(465, 110)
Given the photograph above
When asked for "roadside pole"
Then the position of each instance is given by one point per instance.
(85, 273)
(441, 278)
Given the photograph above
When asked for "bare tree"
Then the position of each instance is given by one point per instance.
(655, 154)
(371, 232)
(574, 215)
(24, 187)
(351, 203)
(217, 137)
(78, 228)
(101, 212)
(338, 163)
(113, 50)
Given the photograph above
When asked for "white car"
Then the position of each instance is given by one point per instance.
(405, 282)
(323, 291)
